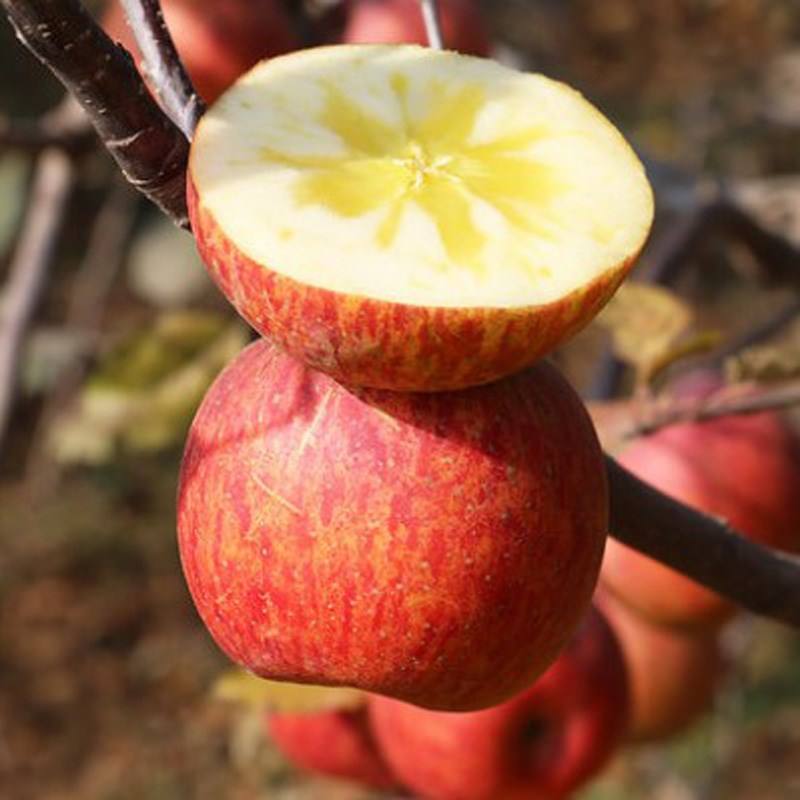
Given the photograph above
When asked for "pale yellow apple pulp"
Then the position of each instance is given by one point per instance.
(410, 218)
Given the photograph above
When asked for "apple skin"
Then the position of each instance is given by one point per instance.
(439, 548)
(540, 745)
(368, 342)
(400, 21)
(745, 469)
(337, 743)
(674, 673)
(217, 40)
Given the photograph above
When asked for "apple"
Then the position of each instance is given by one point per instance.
(412, 219)
(337, 743)
(674, 673)
(439, 548)
(745, 469)
(541, 744)
(217, 40)
(397, 21)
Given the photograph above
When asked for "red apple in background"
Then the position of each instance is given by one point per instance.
(400, 21)
(337, 743)
(540, 745)
(439, 548)
(745, 469)
(673, 673)
(217, 40)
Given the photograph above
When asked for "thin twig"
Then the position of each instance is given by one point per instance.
(151, 151)
(70, 132)
(163, 65)
(433, 24)
(759, 333)
(52, 185)
(777, 257)
(727, 401)
(706, 549)
(102, 261)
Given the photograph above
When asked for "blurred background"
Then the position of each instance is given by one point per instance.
(107, 678)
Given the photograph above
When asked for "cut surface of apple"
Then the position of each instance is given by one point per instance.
(413, 219)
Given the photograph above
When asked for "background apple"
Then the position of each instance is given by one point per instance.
(217, 40)
(396, 21)
(673, 673)
(745, 469)
(543, 743)
(376, 539)
(337, 743)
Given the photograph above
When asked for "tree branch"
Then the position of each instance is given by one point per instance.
(149, 149)
(777, 257)
(163, 65)
(50, 195)
(764, 581)
(66, 128)
(650, 416)
(757, 334)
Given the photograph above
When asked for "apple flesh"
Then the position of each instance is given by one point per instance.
(744, 469)
(540, 745)
(439, 548)
(217, 40)
(412, 219)
(336, 743)
(397, 21)
(674, 673)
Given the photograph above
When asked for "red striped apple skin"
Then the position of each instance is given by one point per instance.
(337, 743)
(439, 548)
(370, 342)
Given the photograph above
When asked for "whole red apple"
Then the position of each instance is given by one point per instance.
(673, 673)
(745, 469)
(400, 21)
(337, 743)
(540, 745)
(217, 40)
(439, 548)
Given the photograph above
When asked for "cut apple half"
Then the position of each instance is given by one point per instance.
(413, 219)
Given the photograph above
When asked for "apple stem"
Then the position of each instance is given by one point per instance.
(169, 78)
(432, 20)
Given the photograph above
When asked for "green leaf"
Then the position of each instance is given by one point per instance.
(13, 183)
(145, 392)
(243, 687)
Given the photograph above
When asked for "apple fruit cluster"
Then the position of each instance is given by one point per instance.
(424, 515)
(544, 742)
(741, 468)
(392, 490)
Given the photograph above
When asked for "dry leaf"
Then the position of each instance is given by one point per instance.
(646, 322)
